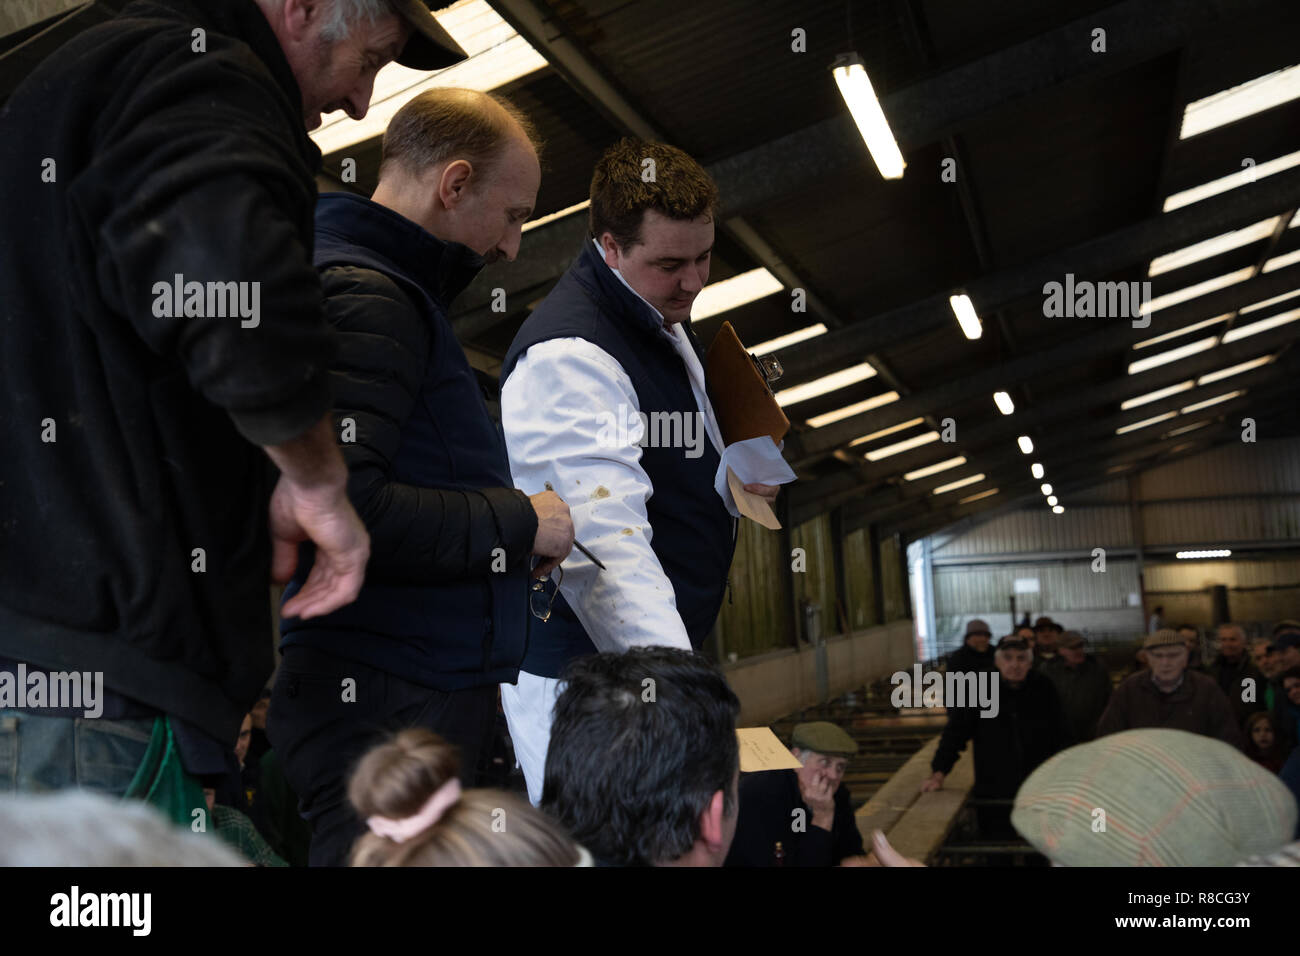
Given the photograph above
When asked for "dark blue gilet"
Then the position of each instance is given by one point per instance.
(694, 535)
(449, 634)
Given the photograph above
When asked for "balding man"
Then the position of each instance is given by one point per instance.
(800, 817)
(1236, 676)
(441, 619)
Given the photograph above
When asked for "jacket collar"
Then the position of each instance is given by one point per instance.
(442, 269)
(613, 297)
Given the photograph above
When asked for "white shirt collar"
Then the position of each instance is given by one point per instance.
(662, 324)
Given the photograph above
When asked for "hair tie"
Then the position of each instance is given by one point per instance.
(399, 831)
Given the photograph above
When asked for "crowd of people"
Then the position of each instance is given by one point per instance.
(1055, 695)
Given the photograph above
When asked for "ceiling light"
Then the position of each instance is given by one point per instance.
(732, 293)
(1193, 291)
(1263, 325)
(497, 56)
(1183, 430)
(1239, 178)
(1209, 248)
(1145, 422)
(1256, 306)
(1238, 102)
(906, 445)
(553, 216)
(1045, 488)
(1058, 509)
(1188, 555)
(855, 86)
(827, 383)
(1051, 499)
(1184, 330)
(1231, 370)
(1003, 401)
(785, 341)
(977, 496)
(1225, 397)
(886, 431)
(1281, 262)
(857, 408)
(1026, 444)
(971, 326)
(960, 483)
(1157, 395)
(934, 469)
(1173, 355)
(1036, 470)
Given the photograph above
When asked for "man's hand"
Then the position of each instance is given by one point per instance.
(327, 518)
(932, 782)
(768, 492)
(554, 538)
(820, 797)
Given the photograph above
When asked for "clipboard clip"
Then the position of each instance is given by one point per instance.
(769, 366)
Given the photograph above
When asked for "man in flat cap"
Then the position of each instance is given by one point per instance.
(800, 817)
(1082, 684)
(1171, 696)
(1047, 635)
(975, 654)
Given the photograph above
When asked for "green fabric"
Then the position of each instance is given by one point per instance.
(291, 834)
(237, 830)
(161, 780)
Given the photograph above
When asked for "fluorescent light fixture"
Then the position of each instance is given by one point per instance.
(1183, 430)
(827, 383)
(959, 483)
(1036, 470)
(1190, 555)
(1295, 220)
(885, 431)
(1058, 509)
(1208, 248)
(558, 214)
(934, 469)
(855, 86)
(1240, 178)
(1045, 488)
(1145, 422)
(1051, 499)
(1004, 403)
(497, 56)
(1231, 370)
(848, 411)
(1193, 291)
(1026, 444)
(1157, 395)
(1282, 261)
(977, 496)
(1173, 355)
(971, 326)
(1263, 325)
(785, 341)
(1256, 306)
(1177, 333)
(1225, 397)
(733, 293)
(1238, 102)
(906, 444)
(1177, 448)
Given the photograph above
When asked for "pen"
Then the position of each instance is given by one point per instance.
(594, 560)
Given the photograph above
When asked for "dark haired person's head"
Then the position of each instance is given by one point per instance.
(464, 165)
(652, 213)
(643, 761)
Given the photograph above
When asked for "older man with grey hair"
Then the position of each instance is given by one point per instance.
(162, 339)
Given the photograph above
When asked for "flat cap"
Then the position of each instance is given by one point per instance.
(1166, 635)
(1170, 798)
(823, 737)
(1072, 639)
(976, 626)
(1282, 627)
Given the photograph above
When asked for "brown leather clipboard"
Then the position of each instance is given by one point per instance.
(742, 400)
